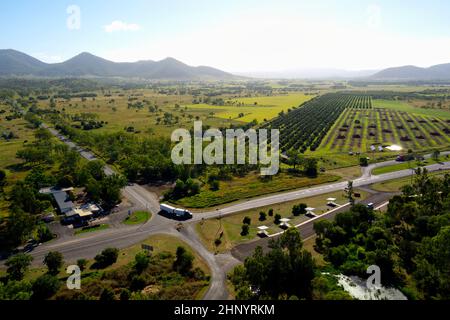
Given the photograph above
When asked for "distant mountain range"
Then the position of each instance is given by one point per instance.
(311, 73)
(15, 63)
(437, 72)
(405, 73)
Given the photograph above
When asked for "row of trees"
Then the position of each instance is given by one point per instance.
(305, 127)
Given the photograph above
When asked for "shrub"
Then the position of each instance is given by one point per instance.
(141, 261)
(106, 258)
(45, 287)
(262, 216)
(299, 209)
(125, 295)
(81, 263)
(107, 295)
(184, 261)
(245, 229)
(277, 219)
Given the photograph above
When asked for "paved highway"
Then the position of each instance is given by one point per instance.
(88, 245)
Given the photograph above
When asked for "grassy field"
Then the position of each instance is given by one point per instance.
(406, 107)
(396, 184)
(393, 168)
(8, 149)
(250, 186)
(230, 226)
(138, 217)
(116, 114)
(405, 165)
(259, 108)
(347, 173)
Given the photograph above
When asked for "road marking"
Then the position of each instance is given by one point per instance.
(382, 205)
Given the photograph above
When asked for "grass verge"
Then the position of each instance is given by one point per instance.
(251, 186)
(138, 217)
(92, 229)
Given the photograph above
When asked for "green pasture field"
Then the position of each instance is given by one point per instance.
(406, 107)
(118, 116)
(405, 165)
(254, 108)
(8, 149)
(115, 112)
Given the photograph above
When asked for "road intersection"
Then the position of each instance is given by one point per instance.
(88, 245)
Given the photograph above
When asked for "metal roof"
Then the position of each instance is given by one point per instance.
(63, 201)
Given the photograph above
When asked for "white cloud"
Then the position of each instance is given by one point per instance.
(118, 25)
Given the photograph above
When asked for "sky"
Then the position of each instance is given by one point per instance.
(232, 35)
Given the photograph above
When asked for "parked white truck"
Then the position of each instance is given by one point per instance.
(176, 212)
